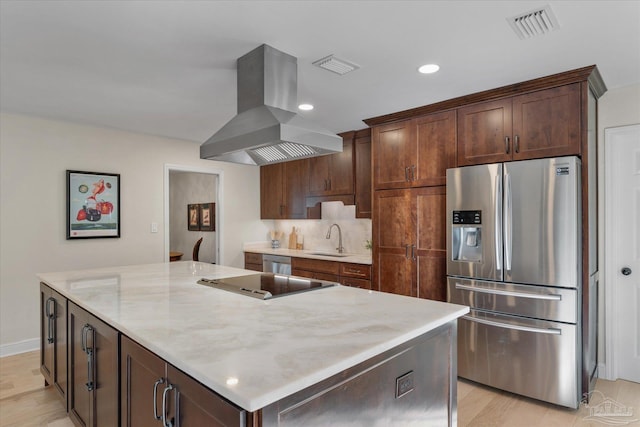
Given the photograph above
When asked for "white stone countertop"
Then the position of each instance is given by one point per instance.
(250, 351)
(265, 248)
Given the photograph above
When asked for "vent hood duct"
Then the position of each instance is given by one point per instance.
(266, 130)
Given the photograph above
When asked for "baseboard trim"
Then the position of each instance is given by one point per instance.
(602, 371)
(19, 347)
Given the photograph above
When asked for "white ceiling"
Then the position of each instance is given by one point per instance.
(168, 67)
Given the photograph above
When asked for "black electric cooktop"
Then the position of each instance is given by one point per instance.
(266, 285)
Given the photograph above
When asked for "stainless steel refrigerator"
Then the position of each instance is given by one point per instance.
(514, 257)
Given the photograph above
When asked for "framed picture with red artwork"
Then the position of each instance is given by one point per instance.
(93, 205)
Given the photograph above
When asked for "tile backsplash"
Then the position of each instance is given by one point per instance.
(355, 232)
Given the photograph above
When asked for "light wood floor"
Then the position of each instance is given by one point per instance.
(25, 402)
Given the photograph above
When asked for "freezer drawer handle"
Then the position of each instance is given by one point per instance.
(550, 331)
(552, 297)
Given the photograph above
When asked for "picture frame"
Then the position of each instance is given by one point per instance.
(208, 216)
(193, 217)
(93, 205)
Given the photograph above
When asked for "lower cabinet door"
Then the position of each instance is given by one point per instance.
(53, 340)
(47, 338)
(93, 370)
(144, 379)
(194, 405)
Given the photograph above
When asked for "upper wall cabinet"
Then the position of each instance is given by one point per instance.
(362, 151)
(333, 174)
(414, 153)
(283, 187)
(295, 189)
(539, 124)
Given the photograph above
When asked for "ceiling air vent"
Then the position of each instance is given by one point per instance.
(338, 66)
(534, 23)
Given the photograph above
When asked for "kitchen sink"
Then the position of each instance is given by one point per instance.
(334, 254)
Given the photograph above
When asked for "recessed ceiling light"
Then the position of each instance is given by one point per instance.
(429, 68)
(305, 107)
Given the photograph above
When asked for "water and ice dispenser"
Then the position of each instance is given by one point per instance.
(466, 236)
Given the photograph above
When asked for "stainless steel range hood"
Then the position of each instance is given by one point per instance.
(266, 129)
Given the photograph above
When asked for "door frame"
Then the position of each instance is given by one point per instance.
(219, 211)
(610, 293)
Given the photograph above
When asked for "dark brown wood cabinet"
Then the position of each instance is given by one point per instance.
(283, 188)
(430, 263)
(409, 254)
(414, 153)
(544, 123)
(295, 189)
(390, 146)
(53, 340)
(363, 189)
(93, 370)
(333, 174)
(146, 379)
(348, 274)
(315, 269)
(355, 275)
(253, 261)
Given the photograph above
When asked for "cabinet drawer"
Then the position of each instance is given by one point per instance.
(355, 283)
(315, 275)
(254, 267)
(360, 271)
(253, 258)
(315, 265)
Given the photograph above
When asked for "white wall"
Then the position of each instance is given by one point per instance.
(617, 107)
(34, 155)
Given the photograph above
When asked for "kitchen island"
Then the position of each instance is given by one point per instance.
(335, 355)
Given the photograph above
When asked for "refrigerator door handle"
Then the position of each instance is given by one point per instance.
(508, 235)
(550, 331)
(551, 297)
(497, 222)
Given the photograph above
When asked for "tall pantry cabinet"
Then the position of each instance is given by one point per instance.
(410, 159)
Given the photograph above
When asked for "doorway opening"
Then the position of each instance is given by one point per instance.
(185, 187)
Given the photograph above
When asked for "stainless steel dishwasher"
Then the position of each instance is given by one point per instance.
(276, 264)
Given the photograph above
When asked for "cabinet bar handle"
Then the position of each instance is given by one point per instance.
(406, 173)
(517, 143)
(413, 172)
(550, 331)
(413, 252)
(548, 297)
(166, 423)
(84, 338)
(51, 314)
(406, 251)
(155, 398)
(506, 143)
(90, 358)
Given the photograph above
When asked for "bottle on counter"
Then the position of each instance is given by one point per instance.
(300, 240)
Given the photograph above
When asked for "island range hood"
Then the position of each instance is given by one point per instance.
(266, 129)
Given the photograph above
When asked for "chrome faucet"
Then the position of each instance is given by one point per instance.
(340, 248)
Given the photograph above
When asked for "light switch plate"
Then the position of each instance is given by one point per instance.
(154, 227)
